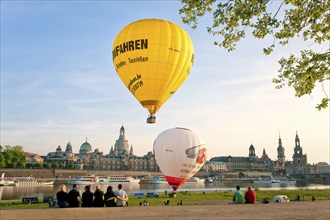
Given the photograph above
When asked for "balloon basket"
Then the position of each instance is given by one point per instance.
(151, 119)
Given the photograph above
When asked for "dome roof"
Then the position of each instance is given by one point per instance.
(85, 148)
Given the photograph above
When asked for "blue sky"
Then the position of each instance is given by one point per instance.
(58, 84)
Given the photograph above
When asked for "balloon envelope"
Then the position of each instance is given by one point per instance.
(152, 57)
(179, 153)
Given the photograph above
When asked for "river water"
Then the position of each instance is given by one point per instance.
(17, 192)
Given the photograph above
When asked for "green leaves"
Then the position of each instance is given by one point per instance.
(308, 19)
(304, 72)
(12, 157)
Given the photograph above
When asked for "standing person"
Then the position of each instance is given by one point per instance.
(110, 197)
(121, 196)
(250, 196)
(98, 197)
(87, 197)
(74, 196)
(62, 197)
(238, 196)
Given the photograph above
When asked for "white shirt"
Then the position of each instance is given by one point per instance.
(122, 194)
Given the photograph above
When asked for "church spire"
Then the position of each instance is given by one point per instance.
(280, 152)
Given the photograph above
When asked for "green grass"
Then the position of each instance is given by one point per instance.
(193, 198)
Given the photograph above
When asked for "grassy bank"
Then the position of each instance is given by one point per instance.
(196, 198)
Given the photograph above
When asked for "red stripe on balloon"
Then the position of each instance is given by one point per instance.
(175, 182)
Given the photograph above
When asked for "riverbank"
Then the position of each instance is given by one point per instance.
(194, 198)
(292, 210)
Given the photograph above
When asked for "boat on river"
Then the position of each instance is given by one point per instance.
(6, 182)
(90, 180)
(195, 180)
(209, 180)
(122, 179)
(21, 181)
(84, 180)
(162, 179)
(274, 181)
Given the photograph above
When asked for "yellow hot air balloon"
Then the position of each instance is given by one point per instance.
(152, 57)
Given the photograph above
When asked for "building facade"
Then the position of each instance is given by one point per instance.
(33, 158)
(120, 157)
(252, 162)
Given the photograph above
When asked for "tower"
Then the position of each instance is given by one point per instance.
(68, 148)
(121, 145)
(299, 159)
(252, 153)
(280, 152)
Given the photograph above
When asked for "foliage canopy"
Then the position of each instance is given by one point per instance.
(308, 19)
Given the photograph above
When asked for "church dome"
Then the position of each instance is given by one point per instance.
(85, 148)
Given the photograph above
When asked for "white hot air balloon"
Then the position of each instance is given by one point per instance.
(179, 153)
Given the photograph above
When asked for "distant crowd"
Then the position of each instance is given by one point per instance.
(89, 199)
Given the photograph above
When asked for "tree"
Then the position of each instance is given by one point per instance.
(55, 165)
(29, 165)
(14, 156)
(37, 165)
(70, 166)
(309, 19)
(2, 160)
(46, 165)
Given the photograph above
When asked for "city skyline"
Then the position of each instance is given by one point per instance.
(58, 84)
(272, 157)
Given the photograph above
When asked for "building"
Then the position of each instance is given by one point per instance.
(62, 157)
(33, 158)
(252, 162)
(279, 164)
(299, 165)
(120, 157)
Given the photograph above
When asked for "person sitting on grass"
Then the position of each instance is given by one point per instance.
(87, 197)
(74, 196)
(121, 196)
(110, 197)
(238, 196)
(62, 197)
(250, 196)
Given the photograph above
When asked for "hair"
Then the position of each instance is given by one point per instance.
(109, 189)
(97, 187)
(238, 187)
(62, 188)
(120, 186)
(249, 187)
(74, 185)
(88, 187)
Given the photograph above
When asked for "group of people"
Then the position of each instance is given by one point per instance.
(89, 199)
(248, 197)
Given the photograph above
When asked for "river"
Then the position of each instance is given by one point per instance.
(17, 192)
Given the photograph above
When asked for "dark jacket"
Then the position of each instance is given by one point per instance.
(98, 199)
(87, 199)
(110, 203)
(73, 198)
(62, 199)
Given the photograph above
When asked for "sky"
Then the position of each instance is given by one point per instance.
(59, 85)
